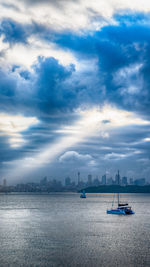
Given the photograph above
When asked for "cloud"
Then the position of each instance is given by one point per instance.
(56, 3)
(90, 66)
(38, 154)
(13, 126)
(7, 84)
(42, 89)
(73, 157)
(115, 76)
(13, 31)
(50, 76)
(75, 15)
(122, 62)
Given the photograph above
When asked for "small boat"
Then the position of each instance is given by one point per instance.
(83, 195)
(122, 209)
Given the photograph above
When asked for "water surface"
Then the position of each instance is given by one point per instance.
(64, 230)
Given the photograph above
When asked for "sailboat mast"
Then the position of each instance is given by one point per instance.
(118, 199)
(118, 184)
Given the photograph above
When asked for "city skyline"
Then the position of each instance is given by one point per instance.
(74, 89)
(82, 181)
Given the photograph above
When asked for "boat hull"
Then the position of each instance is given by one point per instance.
(116, 211)
(121, 211)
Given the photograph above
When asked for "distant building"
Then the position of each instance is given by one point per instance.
(117, 178)
(124, 180)
(44, 181)
(110, 181)
(73, 184)
(104, 179)
(4, 182)
(56, 185)
(96, 182)
(67, 181)
(131, 181)
(140, 181)
(82, 184)
(143, 181)
(89, 179)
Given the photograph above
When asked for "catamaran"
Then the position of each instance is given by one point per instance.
(122, 208)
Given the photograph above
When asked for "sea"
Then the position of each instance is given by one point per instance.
(61, 229)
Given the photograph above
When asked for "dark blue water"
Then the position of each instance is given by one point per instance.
(64, 230)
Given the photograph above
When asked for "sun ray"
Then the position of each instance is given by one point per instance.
(92, 122)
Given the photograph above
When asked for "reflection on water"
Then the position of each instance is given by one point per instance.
(64, 230)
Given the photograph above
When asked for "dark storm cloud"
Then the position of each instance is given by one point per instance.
(49, 83)
(52, 91)
(10, 6)
(41, 90)
(124, 144)
(41, 94)
(7, 154)
(50, 88)
(13, 31)
(57, 3)
(53, 87)
(117, 47)
(7, 84)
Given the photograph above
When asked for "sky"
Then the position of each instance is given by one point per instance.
(74, 89)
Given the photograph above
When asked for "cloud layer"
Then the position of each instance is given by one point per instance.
(56, 68)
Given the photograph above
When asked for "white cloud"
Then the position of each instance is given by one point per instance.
(109, 116)
(114, 156)
(146, 139)
(3, 45)
(73, 15)
(120, 156)
(129, 79)
(26, 55)
(73, 157)
(13, 125)
(92, 123)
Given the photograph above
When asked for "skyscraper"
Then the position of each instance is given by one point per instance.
(67, 181)
(117, 178)
(104, 179)
(131, 181)
(124, 181)
(89, 179)
(110, 181)
(44, 181)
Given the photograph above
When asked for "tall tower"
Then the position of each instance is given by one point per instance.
(118, 178)
(78, 178)
(104, 179)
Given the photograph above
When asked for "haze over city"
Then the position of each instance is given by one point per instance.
(74, 89)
